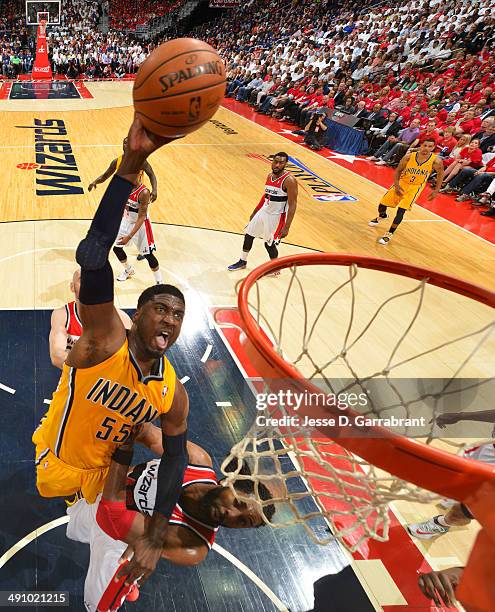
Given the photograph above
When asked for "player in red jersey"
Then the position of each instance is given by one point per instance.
(272, 218)
(66, 326)
(118, 517)
(136, 227)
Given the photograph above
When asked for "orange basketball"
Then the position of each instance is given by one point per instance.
(179, 87)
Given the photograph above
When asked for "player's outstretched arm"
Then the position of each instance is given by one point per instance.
(106, 175)
(148, 548)
(58, 338)
(154, 183)
(103, 331)
(450, 418)
(291, 186)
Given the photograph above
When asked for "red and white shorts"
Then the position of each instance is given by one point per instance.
(101, 593)
(143, 238)
(266, 226)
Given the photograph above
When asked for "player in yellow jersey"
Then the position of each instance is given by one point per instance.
(113, 381)
(135, 227)
(410, 179)
(114, 166)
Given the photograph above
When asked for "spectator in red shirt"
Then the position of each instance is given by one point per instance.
(447, 142)
(430, 115)
(466, 124)
(470, 157)
(476, 94)
(419, 100)
(430, 132)
(449, 121)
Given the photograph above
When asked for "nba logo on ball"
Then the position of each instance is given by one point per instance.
(179, 87)
(194, 108)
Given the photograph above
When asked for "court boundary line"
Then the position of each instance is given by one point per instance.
(62, 520)
(356, 174)
(176, 144)
(198, 227)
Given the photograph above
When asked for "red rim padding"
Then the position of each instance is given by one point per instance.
(427, 467)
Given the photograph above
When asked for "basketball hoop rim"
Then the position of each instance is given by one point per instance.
(438, 279)
(411, 450)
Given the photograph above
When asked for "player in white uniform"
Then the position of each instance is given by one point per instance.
(136, 227)
(457, 515)
(118, 518)
(272, 218)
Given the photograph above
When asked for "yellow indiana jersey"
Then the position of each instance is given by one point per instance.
(141, 172)
(94, 409)
(412, 182)
(416, 174)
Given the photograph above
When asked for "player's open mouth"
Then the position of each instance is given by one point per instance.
(162, 340)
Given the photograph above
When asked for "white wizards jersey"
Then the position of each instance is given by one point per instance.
(275, 197)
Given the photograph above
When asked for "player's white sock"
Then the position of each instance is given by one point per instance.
(127, 267)
(158, 276)
(244, 255)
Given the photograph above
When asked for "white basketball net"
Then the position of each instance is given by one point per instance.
(327, 325)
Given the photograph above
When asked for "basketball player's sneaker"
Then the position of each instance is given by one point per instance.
(238, 265)
(140, 257)
(427, 530)
(385, 239)
(374, 222)
(126, 274)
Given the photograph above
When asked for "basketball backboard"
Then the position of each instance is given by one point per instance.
(48, 10)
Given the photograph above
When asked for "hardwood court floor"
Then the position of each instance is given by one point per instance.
(208, 184)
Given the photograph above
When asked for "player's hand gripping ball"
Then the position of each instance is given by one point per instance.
(179, 87)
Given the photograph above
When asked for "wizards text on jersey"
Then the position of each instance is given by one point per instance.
(121, 399)
(58, 173)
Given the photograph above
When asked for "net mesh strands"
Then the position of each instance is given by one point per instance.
(351, 341)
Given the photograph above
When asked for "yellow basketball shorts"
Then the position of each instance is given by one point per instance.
(405, 201)
(54, 478)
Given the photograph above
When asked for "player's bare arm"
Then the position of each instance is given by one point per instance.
(180, 546)
(105, 176)
(450, 418)
(103, 330)
(440, 170)
(148, 547)
(144, 200)
(398, 172)
(291, 188)
(154, 183)
(57, 339)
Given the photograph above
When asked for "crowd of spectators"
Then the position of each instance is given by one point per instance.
(16, 50)
(78, 49)
(76, 46)
(408, 71)
(127, 14)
